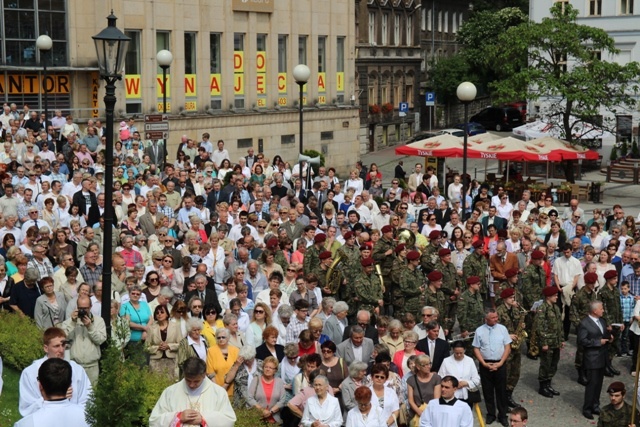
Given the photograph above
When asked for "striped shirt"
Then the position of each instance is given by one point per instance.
(627, 304)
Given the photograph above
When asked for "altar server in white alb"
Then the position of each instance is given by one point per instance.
(55, 341)
(447, 411)
(195, 400)
(54, 381)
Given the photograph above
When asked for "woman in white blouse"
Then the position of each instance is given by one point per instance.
(322, 407)
(463, 368)
(354, 182)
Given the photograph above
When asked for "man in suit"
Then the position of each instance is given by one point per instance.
(337, 322)
(493, 218)
(207, 295)
(595, 339)
(436, 348)
(87, 202)
(363, 319)
(148, 220)
(292, 227)
(502, 261)
(214, 195)
(357, 347)
(156, 153)
(415, 179)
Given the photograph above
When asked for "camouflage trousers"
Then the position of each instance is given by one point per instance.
(614, 347)
(449, 316)
(548, 364)
(513, 369)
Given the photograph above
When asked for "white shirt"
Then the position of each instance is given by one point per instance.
(375, 418)
(390, 402)
(328, 412)
(357, 353)
(463, 370)
(53, 414)
(30, 397)
(437, 415)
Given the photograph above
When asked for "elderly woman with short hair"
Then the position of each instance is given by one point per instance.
(222, 359)
(364, 413)
(240, 375)
(288, 368)
(236, 337)
(194, 345)
(281, 321)
(269, 346)
(357, 378)
(336, 323)
(410, 339)
(326, 308)
(266, 392)
(393, 340)
(322, 409)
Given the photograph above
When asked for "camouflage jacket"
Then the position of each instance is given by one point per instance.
(611, 303)
(534, 280)
(510, 318)
(435, 299)
(311, 259)
(548, 325)
(580, 305)
(470, 311)
(429, 258)
(612, 417)
(368, 289)
(449, 278)
(379, 256)
(476, 265)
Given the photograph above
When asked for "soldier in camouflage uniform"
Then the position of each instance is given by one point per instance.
(470, 310)
(450, 288)
(279, 258)
(430, 253)
(350, 267)
(433, 295)
(321, 270)
(477, 265)
(618, 412)
(579, 310)
(548, 323)
(411, 285)
(311, 259)
(399, 264)
(383, 255)
(534, 280)
(510, 283)
(511, 316)
(368, 289)
(610, 297)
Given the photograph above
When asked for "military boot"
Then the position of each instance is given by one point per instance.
(582, 377)
(512, 403)
(552, 390)
(543, 389)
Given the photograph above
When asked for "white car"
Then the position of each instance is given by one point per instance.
(455, 132)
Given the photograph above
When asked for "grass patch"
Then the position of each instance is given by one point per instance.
(9, 399)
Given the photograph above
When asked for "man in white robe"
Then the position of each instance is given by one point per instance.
(447, 411)
(31, 400)
(54, 381)
(194, 401)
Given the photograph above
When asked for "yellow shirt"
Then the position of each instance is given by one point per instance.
(209, 332)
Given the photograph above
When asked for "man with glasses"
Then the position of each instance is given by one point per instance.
(617, 219)
(40, 262)
(363, 319)
(299, 323)
(59, 278)
(205, 293)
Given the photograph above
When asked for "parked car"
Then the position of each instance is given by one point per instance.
(498, 118)
(454, 132)
(420, 136)
(520, 106)
(472, 128)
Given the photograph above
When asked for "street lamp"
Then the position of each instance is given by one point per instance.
(301, 74)
(111, 48)
(164, 59)
(44, 45)
(466, 93)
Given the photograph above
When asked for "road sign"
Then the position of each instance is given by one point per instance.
(156, 126)
(430, 98)
(403, 108)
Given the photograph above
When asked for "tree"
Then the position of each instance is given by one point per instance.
(495, 5)
(446, 74)
(567, 70)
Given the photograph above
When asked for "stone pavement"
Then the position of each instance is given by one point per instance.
(626, 195)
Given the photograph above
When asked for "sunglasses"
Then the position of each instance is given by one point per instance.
(258, 311)
(211, 312)
(380, 377)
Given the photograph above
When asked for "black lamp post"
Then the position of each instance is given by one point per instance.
(111, 47)
(301, 74)
(164, 59)
(44, 45)
(466, 93)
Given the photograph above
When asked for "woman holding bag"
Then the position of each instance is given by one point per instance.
(423, 386)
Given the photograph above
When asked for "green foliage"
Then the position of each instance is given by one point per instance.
(562, 61)
(614, 154)
(496, 5)
(248, 418)
(624, 149)
(9, 413)
(446, 74)
(635, 153)
(21, 340)
(125, 394)
(312, 154)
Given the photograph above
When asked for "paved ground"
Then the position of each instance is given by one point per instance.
(564, 410)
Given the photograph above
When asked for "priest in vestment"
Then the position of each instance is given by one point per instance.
(447, 411)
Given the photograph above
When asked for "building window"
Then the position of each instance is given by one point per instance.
(132, 68)
(460, 19)
(372, 28)
(326, 136)
(626, 7)
(215, 69)
(322, 54)
(238, 72)
(454, 22)
(245, 143)
(340, 54)
(302, 50)
(440, 21)
(409, 29)
(282, 53)
(385, 29)
(409, 97)
(24, 21)
(429, 20)
(261, 70)
(595, 7)
(396, 30)
(163, 41)
(287, 139)
(446, 22)
(190, 53)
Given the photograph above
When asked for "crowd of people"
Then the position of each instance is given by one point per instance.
(315, 300)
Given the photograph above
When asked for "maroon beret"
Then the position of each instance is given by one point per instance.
(325, 255)
(413, 255)
(387, 229)
(320, 238)
(511, 272)
(610, 274)
(590, 278)
(550, 291)
(348, 235)
(478, 244)
(401, 247)
(444, 252)
(434, 276)
(537, 255)
(509, 292)
(435, 234)
(367, 262)
(616, 387)
(472, 280)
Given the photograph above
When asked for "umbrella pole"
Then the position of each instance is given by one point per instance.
(507, 172)
(485, 169)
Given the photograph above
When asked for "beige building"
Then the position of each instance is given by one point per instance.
(231, 74)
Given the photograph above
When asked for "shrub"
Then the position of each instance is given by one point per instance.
(125, 393)
(21, 340)
(248, 418)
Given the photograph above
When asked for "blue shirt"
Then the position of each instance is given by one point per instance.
(634, 283)
(491, 341)
(140, 317)
(627, 303)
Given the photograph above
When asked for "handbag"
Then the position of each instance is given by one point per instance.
(474, 396)
(415, 421)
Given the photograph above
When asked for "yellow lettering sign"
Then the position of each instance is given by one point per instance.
(282, 101)
(321, 83)
(261, 62)
(238, 61)
(132, 86)
(282, 83)
(159, 107)
(26, 84)
(340, 82)
(190, 85)
(238, 84)
(160, 85)
(214, 85)
(261, 83)
(190, 106)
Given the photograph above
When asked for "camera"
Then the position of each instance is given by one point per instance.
(82, 314)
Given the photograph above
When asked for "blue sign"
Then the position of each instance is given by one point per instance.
(430, 98)
(404, 107)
